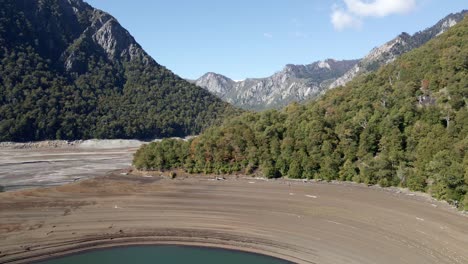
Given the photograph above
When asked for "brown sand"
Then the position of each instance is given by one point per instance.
(301, 222)
(33, 167)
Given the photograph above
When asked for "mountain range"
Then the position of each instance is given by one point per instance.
(70, 71)
(404, 125)
(293, 83)
(307, 82)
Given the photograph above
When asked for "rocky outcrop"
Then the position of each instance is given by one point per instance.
(306, 82)
(70, 71)
(403, 43)
(104, 33)
(218, 84)
(293, 83)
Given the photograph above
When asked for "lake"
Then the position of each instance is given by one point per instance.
(165, 255)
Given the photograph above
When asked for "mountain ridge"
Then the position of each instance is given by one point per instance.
(292, 83)
(251, 96)
(70, 71)
(404, 125)
(394, 48)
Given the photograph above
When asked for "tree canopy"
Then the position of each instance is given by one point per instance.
(404, 125)
(59, 80)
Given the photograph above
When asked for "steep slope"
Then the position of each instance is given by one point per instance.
(297, 83)
(404, 125)
(69, 71)
(391, 50)
(217, 84)
(293, 83)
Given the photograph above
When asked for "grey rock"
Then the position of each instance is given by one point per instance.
(101, 31)
(391, 50)
(307, 82)
(293, 83)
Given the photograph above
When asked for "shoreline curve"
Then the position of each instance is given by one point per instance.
(57, 252)
(294, 221)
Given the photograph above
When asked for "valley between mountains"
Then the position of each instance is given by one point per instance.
(338, 161)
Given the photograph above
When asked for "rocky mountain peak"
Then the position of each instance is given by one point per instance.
(450, 22)
(112, 38)
(83, 75)
(314, 69)
(219, 84)
(102, 32)
(298, 82)
(292, 83)
(209, 75)
(403, 43)
(324, 64)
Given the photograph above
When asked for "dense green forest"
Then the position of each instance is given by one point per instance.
(69, 71)
(404, 125)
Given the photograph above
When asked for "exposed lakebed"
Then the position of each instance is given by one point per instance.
(48, 163)
(303, 222)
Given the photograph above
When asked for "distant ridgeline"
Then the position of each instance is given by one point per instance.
(404, 125)
(300, 83)
(69, 71)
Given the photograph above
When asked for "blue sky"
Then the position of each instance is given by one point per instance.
(255, 38)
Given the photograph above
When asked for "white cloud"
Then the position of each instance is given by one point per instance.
(356, 10)
(379, 8)
(342, 19)
(268, 35)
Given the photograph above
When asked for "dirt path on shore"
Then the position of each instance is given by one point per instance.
(301, 222)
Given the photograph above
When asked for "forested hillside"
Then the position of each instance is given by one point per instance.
(69, 71)
(404, 125)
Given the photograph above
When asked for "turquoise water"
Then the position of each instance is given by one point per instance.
(165, 255)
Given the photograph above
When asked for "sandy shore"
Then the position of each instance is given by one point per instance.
(49, 163)
(300, 222)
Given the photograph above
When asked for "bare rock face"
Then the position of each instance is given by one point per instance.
(76, 73)
(391, 50)
(293, 83)
(108, 37)
(116, 41)
(219, 85)
(306, 82)
(96, 29)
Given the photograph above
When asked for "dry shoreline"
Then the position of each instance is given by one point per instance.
(49, 254)
(295, 221)
(52, 163)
